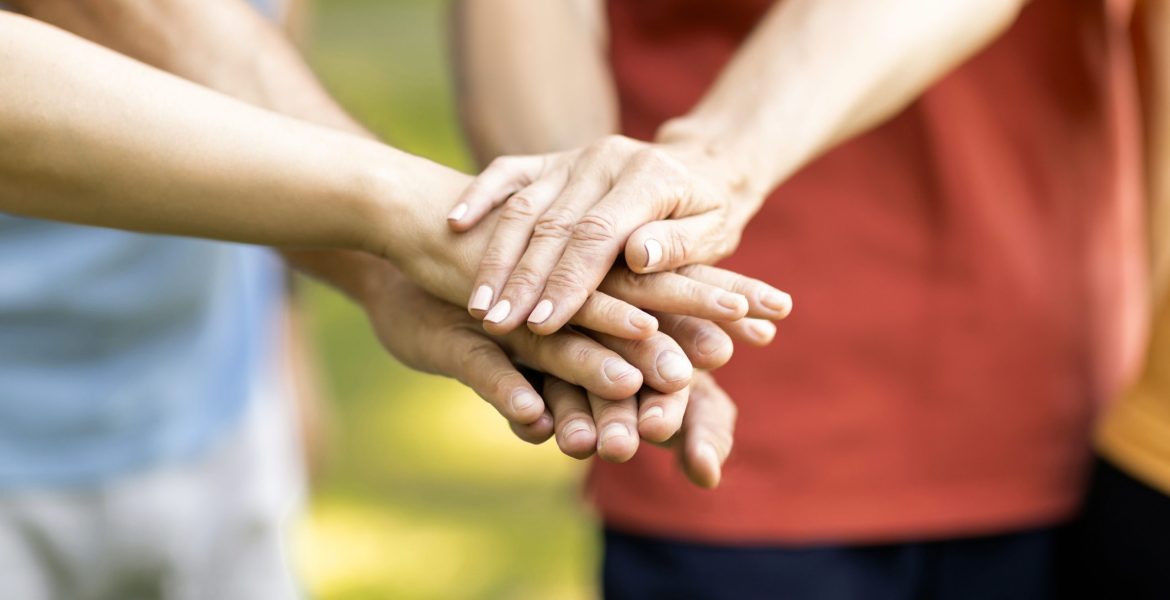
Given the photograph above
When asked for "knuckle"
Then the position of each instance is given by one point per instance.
(595, 227)
(553, 225)
(680, 246)
(524, 279)
(519, 208)
(494, 260)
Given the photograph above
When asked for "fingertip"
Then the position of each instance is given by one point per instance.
(616, 443)
(577, 439)
(644, 324)
(526, 406)
(734, 304)
(780, 303)
(705, 468)
(653, 425)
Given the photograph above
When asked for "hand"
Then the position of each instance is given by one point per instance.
(702, 439)
(683, 418)
(567, 216)
(433, 336)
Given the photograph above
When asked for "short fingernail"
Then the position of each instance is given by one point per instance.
(653, 252)
(499, 312)
(614, 430)
(654, 412)
(763, 330)
(777, 301)
(481, 299)
(708, 343)
(458, 212)
(541, 313)
(523, 400)
(616, 370)
(673, 366)
(731, 301)
(641, 320)
(576, 429)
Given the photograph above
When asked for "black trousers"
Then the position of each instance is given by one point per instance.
(1119, 547)
(1007, 567)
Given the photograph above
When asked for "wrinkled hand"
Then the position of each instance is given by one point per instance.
(444, 264)
(433, 336)
(567, 216)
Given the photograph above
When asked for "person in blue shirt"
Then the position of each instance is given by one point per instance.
(144, 450)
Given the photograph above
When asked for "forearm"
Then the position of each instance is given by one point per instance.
(532, 75)
(149, 152)
(816, 72)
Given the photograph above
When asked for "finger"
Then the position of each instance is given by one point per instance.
(617, 424)
(509, 239)
(765, 301)
(705, 344)
(660, 415)
(757, 332)
(579, 360)
(605, 314)
(663, 363)
(676, 294)
(502, 178)
(576, 435)
(594, 243)
(667, 245)
(707, 433)
(517, 300)
(483, 366)
(534, 433)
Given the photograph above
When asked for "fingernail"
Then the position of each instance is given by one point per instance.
(653, 252)
(481, 299)
(614, 430)
(458, 212)
(499, 312)
(641, 320)
(731, 301)
(541, 313)
(777, 301)
(654, 412)
(763, 329)
(575, 429)
(615, 369)
(522, 400)
(673, 366)
(708, 343)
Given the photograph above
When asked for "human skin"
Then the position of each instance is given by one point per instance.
(812, 74)
(213, 43)
(534, 81)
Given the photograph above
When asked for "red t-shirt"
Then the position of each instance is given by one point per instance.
(966, 281)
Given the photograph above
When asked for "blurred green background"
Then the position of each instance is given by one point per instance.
(424, 492)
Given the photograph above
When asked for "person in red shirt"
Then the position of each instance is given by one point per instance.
(949, 190)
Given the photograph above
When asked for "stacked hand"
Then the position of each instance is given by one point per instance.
(623, 368)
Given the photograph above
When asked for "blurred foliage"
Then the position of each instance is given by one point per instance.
(425, 493)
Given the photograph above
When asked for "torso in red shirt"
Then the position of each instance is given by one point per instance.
(960, 275)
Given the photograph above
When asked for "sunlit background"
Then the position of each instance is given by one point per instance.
(424, 492)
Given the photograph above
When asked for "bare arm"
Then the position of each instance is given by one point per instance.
(506, 52)
(226, 45)
(815, 72)
(92, 137)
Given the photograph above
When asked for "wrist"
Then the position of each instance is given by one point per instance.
(745, 182)
(404, 201)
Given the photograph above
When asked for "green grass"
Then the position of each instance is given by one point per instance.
(425, 493)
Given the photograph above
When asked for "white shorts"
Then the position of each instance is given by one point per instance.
(211, 528)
